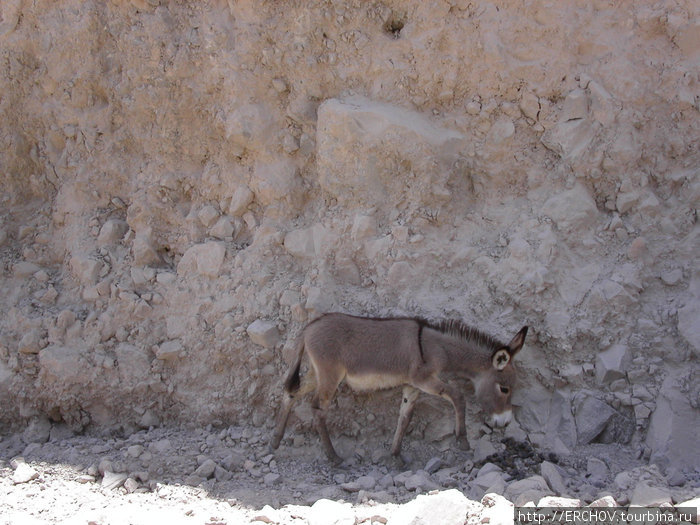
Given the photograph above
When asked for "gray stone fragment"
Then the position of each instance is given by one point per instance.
(113, 480)
(263, 333)
(38, 430)
(206, 469)
(612, 364)
(647, 496)
(592, 416)
(550, 472)
(433, 465)
(111, 232)
(272, 478)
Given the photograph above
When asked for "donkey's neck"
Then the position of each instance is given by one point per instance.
(459, 355)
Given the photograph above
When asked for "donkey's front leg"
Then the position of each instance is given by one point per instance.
(408, 402)
(454, 395)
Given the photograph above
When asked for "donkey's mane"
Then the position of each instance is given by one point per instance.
(469, 334)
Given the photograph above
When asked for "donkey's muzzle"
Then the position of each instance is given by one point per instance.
(502, 419)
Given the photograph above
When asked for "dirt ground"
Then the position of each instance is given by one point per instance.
(228, 475)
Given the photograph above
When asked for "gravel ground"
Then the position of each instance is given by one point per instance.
(228, 476)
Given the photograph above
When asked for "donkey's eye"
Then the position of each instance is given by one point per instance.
(504, 389)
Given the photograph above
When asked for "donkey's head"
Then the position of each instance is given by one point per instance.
(494, 385)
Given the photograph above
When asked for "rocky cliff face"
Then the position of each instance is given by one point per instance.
(185, 185)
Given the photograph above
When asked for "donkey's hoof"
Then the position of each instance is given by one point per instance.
(463, 443)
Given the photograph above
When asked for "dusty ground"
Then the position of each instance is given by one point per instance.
(228, 476)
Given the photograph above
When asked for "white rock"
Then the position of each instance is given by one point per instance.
(222, 229)
(327, 512)
(554, 501)
(570, 139)
(169, 350)
(612, 364)
(572, 209)
(672, 277)
(30, 342)
(605, 501)
(277, 184)
(205, 259)
(24, 269)
(263, 333)
(143, 249)
(112, 231)
(23, 474)
(363, 227)
(207, 215)
(449, 507)
(113, 480)
(86, 270)
(300, 243)
(575, 106)
(357, 140)
(497, 510)
(240, 200)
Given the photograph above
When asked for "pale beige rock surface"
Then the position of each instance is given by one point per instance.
(173, 172)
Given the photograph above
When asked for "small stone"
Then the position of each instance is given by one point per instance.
(130, 484)
(169, 350)
(135, 451)
(596, 470)
(263, 333)
(605, 501)
(85, 478)
(361, 483)
(222, 229)
(113, 480)
(647, 496)
(24, 473)
(38, 430)
(272, 479)
(420, 482)
(433, 465)
(553, 477)
(24, 269)
(30, 343)
(206, 469)
(612, 364)
(208, 215)
(240, 200)
(363, 227)
(111, 232)
(672, 277)
(554, 501)
(676, 478)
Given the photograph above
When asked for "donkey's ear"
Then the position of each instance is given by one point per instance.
(500, 358)
(517, 342)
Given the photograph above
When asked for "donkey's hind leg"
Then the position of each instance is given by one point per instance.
(408, 403)
(282, 418)
(321, 401)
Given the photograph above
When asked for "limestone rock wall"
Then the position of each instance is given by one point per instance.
(184, 185)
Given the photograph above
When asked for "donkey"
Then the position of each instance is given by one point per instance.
(380, 353)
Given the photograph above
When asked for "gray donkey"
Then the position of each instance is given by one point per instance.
(379, 353)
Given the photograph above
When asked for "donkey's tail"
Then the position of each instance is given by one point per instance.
(293, 380)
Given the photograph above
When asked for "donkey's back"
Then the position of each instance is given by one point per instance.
(368, 353)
